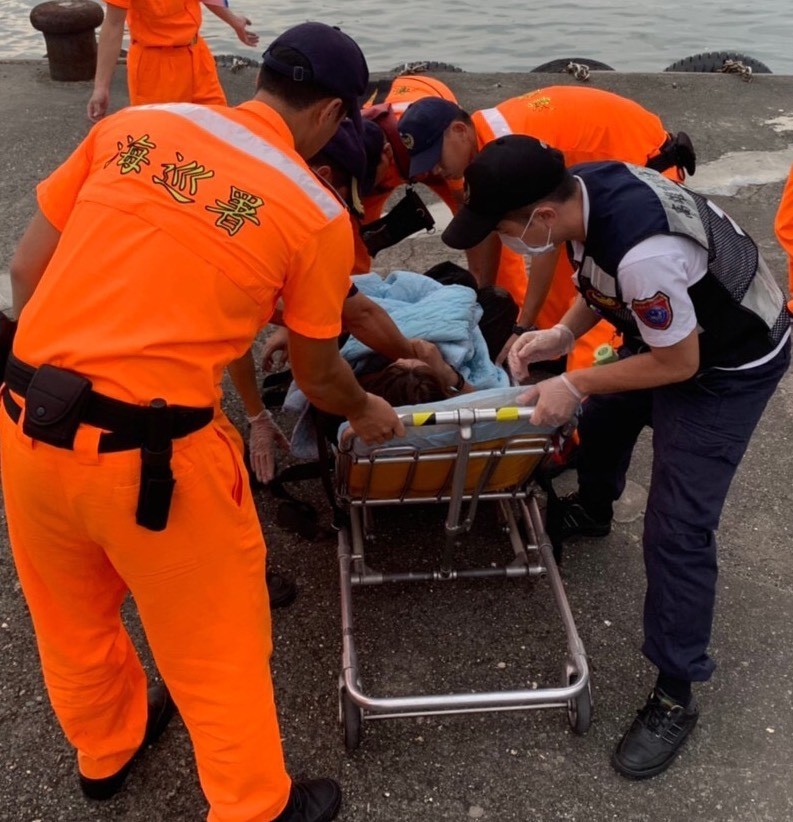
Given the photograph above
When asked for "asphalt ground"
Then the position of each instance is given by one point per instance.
(514, 766)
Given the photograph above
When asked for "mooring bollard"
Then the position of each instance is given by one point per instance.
(68, 27)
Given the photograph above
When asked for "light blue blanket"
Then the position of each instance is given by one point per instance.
(447, 315)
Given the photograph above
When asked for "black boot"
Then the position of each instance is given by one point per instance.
(281, 589)
(312, 800)
(652, 742)
(161, 709)
(568, 518)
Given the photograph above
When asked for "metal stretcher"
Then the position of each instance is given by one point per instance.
(476, 467)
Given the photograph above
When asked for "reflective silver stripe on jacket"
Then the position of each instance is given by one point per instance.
(254, 146)
(497, 122)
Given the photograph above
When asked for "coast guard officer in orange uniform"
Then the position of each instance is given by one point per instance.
(159, 250)
(783, 226)
(168, 60)
(385, 107)
(586, 125)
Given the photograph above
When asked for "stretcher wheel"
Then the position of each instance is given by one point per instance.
(351, 718)
(579, 709)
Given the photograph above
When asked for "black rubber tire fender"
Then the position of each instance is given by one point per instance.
(713, 61)
(423, 66)
(559, 66)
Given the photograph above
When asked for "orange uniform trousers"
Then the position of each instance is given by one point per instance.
(783, 225)
(199, 587)
(173, 74)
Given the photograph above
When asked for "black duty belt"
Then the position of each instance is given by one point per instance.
(124, 423)
(58, 401)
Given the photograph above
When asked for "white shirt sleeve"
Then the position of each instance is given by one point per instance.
(654, 277)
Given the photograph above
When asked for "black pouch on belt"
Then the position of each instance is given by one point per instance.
(407, 217)
(156, 478)
(54, 404)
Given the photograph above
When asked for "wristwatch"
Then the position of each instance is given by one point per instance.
(460, 383)
(522, 329)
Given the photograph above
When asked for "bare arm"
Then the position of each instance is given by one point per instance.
(556, 399)
(31, 258)
(373, 326)
(110, 37)
(541, 274)
(659, 366)
(243, 375)
(329, 384)
(483, 260)
(238, 22)
(579, 318)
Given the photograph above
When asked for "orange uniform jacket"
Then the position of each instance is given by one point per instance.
(784, 230)
(587, 125)
(205, 223)
(168, 60)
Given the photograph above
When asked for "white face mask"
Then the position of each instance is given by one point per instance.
(517, 244)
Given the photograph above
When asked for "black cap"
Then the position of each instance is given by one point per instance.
(421, 130)
(335, 62)
(509, 173)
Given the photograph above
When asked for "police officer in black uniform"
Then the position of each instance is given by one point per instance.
(707, 340)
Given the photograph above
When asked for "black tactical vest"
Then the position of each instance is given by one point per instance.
(740, 310)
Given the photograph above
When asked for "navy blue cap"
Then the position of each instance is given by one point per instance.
(346, 150)
(507, 174)
(421, 131)
(335, 62)
(373, 143)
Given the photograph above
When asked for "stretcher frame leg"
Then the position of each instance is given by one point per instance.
(356, 706)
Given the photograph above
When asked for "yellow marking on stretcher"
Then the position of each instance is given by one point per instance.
(507, 414)
(423, 417)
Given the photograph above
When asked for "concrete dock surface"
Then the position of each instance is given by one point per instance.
(512, 766)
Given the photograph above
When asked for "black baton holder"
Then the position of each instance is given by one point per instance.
(156, 478)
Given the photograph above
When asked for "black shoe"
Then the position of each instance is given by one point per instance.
(161, 709)
(282, 590)
(653, 740)
(568, 518)
(312, 800)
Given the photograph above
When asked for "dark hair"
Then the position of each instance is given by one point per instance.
(463, 117)
(400, 385)
(299, 95)
(449, 273)
(338, 176)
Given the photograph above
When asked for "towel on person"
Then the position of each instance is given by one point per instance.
(447, 315)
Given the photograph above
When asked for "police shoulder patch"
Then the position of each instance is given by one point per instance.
(655, 312)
